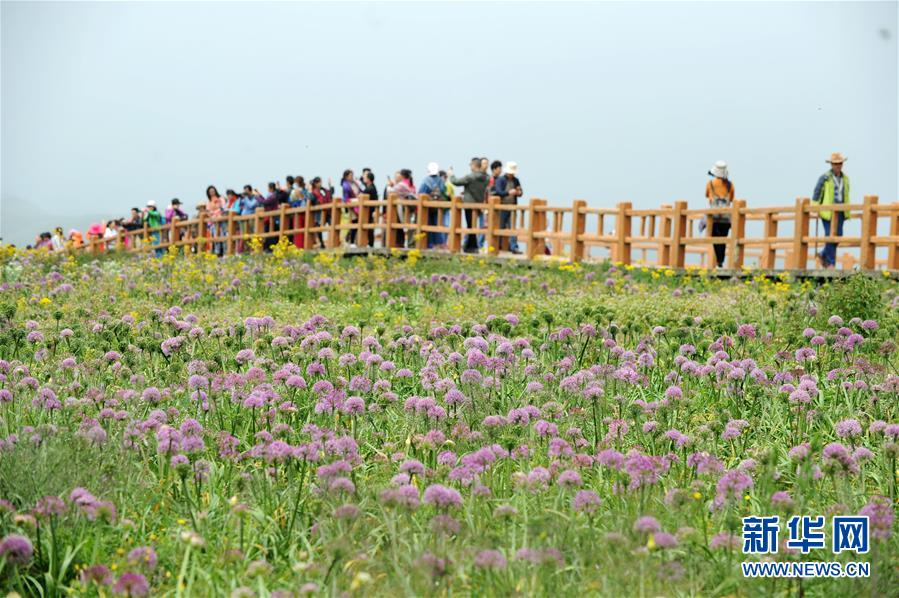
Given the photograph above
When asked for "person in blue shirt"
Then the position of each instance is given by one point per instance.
(434, 187)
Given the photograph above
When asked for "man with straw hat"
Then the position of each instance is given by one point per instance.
(832, 188)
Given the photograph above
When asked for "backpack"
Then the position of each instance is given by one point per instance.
(720, 202)
(436, 193)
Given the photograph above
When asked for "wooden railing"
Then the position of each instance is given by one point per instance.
(768, 237)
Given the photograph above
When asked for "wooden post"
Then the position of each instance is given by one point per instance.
(333, 233)
(532, 222)
(623, 231)
(307, 222)
(867, 249)
(737, 234)
(769, 252)
(390, 236)
(364, 217)
(229, 248)
(421, 219)
(664, 251)
(257, 222)
(678, 233)
(282, 221)
(455, 238)
(578, 226)
(492, 224)
(202, 233)
(800, 230)
(173, 232)
(893, 250)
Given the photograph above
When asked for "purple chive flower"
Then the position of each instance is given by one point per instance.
(731, 486)
(490, 559)
(782, 500)
(880, 517)
(16, 549)
(244, 356)
(98, 574)
(586, 501)
(131, 584)
(848, 428)
(647, 524)
(143, 556)
(442, 497)
(664, 540)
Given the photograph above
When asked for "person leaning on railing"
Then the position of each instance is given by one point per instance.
(832, 188)
(720, 193)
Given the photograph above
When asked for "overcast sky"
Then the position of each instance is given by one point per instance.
(108, 105)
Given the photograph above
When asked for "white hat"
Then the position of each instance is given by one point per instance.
(151, 204)
(511, 168)
(433, 168)
(719, 169)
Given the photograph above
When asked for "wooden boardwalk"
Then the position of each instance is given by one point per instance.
(766, 238)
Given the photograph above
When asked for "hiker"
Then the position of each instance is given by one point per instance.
(76, 239)
(58, 240)
(246, 205)
(508, 188)
(475, 184)
(152, 218)
(369, 189)
(496, 169)
(132, 223)
(434, 187)
(270, 224)
(322, 197)
(403, 186)
(720, 193)
(351, 190)
(44, 241)
(174, 213)
(832, 188)
(213, 208)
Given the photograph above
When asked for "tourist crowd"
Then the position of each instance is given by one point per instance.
(484, 180)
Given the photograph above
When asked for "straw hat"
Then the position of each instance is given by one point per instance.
(433, 168)
(511, 168)
(719, 169)
(836, 158)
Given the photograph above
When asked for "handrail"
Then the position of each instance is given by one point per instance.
(623, 233)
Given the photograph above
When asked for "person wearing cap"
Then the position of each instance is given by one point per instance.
(720, 193)
(76, 239)
(174, 211)
(508, 188)
(832, 188)
(433, 186)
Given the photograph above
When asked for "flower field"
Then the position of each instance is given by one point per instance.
(389, 426)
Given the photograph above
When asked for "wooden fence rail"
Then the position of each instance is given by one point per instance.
(768, 237)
